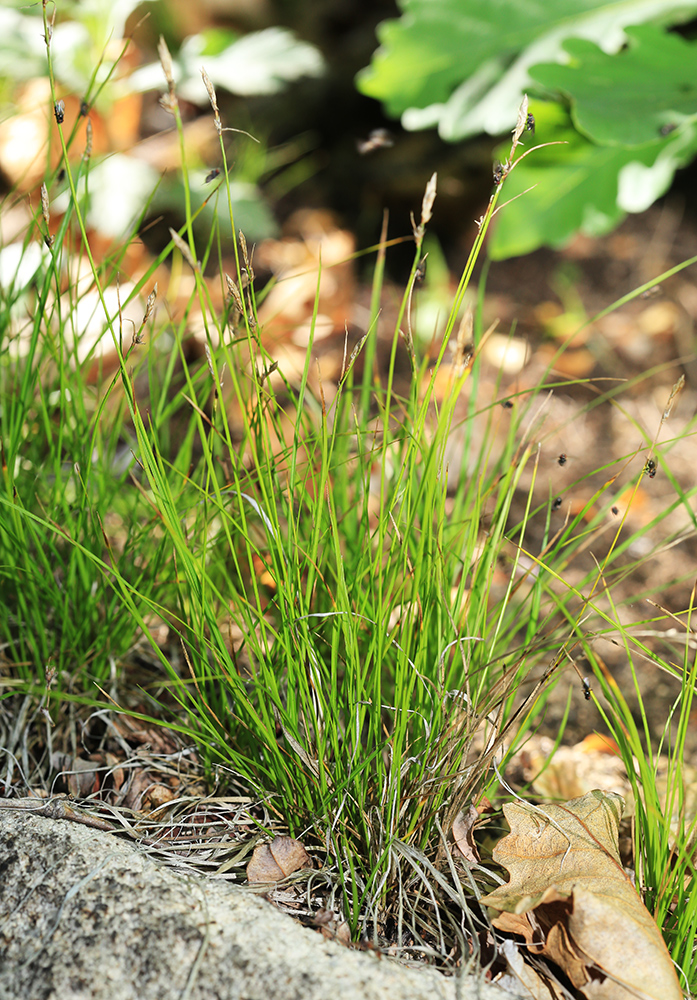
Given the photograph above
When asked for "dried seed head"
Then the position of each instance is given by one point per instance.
(45, 204)
(184, 249)
(247, 274)
(150, 304)
(463, 344)
(169, 102)
(166, 62)
(209, 360)
(49, 26)
(210, 90)
(267, 373)
(234, 293)
(521, 123)
(47, 716)
(429, 198)
(243, 245)
(674, 393)
(88, 142)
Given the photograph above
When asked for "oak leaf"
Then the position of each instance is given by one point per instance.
(571, 900)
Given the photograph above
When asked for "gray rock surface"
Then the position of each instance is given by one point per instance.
(84, 914)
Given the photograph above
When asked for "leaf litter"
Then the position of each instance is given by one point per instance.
(571, 900)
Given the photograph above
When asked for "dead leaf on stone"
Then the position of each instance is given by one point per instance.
(463, 834)
(571, 900)
(332, 927)
(274, 861)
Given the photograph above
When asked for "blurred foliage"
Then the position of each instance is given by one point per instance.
(619, 89)
(94, 57)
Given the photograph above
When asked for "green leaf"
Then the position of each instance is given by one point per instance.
(462, 65)
(579, 185)
(628, 98)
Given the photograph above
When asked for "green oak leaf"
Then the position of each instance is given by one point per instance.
(627, 99)
(579, 185)
(463, 64)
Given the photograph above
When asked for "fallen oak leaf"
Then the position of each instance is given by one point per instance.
(571, 900)
(274, 861)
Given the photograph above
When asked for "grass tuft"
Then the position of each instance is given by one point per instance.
(364, 618)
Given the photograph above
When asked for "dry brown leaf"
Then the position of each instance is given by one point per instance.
(332, 927)
(83, 776)
(313, 241)
(575, 363)
(595, 763)
(117, 773)
(134, 794)
(157, 795)
(463, 827)
(571, 900)
(572, 771)
(272, 862)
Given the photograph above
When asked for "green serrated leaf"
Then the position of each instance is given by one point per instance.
(579, 185)
(462, 64)
(627, 99)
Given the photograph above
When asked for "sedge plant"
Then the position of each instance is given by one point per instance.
(359, 628)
